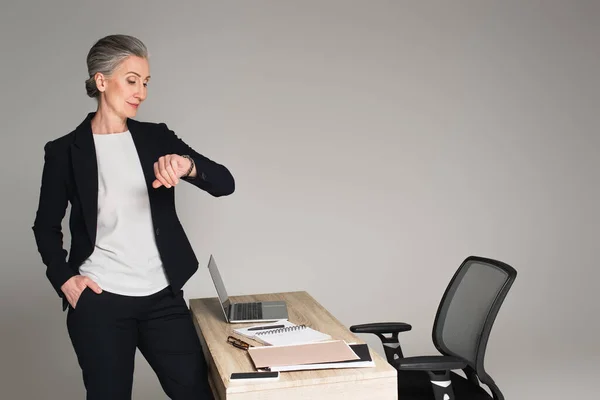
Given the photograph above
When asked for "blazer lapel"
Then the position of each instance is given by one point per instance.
(145, 152)
(85, 173)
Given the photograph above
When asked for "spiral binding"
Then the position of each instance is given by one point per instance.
(282, 330)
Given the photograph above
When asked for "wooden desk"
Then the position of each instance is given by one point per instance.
(378, 382)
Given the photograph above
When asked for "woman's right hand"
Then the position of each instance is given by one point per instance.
(75, 285)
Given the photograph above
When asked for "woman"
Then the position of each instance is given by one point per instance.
(129, 255)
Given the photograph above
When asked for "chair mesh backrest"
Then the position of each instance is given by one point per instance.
(469, 307)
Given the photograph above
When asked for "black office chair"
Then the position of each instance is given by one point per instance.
(461, 330)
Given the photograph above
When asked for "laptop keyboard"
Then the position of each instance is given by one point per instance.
(247, 311)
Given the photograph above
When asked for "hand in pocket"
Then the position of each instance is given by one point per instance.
(74, 287)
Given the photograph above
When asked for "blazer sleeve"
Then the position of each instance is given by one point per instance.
(212, 177)
(47, 227)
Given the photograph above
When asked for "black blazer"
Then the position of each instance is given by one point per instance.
(70, 174)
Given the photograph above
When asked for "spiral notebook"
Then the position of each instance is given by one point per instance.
(289, 333)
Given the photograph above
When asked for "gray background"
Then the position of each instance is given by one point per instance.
(375, 145)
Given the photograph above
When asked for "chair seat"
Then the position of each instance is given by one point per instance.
(415, 385)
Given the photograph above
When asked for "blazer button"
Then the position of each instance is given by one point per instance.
(157, 231)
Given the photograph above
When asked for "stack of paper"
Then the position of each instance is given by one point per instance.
(361, 350)
(282, 333)
(298, 354)
(321, 355)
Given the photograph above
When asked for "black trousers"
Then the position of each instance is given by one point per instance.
(106, 329)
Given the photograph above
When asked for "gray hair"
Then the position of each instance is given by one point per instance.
(106, 55)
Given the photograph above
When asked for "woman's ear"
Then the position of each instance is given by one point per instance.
(100, 81)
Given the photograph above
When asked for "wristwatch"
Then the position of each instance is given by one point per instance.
(191, 165)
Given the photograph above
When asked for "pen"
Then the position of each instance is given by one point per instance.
(260, 328)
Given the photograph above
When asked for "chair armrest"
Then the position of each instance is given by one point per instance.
(430, 363)
(381, 327)
(391, 344)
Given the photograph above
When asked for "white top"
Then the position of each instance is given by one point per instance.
(125, 259)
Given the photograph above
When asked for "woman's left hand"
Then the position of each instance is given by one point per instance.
(168, 169)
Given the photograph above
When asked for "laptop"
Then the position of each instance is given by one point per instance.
(245, 312)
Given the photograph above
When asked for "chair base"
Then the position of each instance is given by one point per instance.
(416, 385)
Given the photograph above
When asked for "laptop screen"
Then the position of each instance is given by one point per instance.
(216, 277)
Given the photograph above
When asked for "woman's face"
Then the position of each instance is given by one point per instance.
(126, 88)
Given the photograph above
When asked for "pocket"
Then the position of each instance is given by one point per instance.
(82, 297)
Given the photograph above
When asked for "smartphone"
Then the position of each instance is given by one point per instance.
(255, 376)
